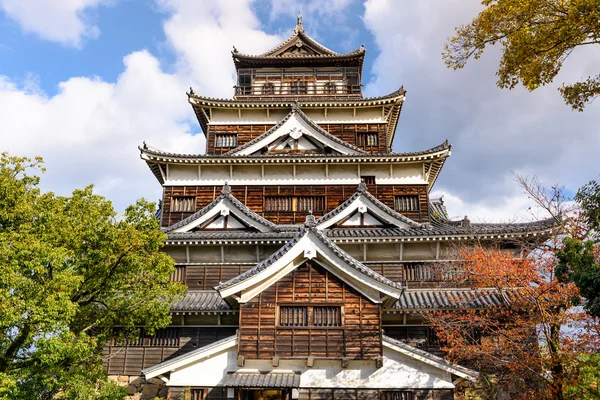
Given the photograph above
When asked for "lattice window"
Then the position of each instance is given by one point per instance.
(196, 394)
(310, 316)
(167, 337)
(293, 316)
(407, 203)
(366, 139)
(294, 203)
(183, 204)
(225, 140)
(368, 179)
(398, 395)
(327, 316)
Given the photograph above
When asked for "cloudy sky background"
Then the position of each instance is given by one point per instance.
(84, 82)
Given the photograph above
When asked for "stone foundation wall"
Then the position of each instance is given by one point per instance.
(139, 388)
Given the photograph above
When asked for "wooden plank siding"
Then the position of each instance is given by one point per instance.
(197, 276)
(359, 337)
(253, 197)
(130, 360)
(347, 132)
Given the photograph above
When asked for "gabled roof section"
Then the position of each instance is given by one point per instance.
(299, 36)
(310, 244)
(298, 46)
(375, 214)
(296, 126)
(223, 213)
(191, 357)
(428, 358)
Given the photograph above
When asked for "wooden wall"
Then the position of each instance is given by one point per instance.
(253, 197)
(130, 360)
(346, 132)
(359, 337)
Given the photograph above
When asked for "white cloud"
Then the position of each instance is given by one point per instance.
(203, 35)
(493, 131)
(89, 131)
(64, 21)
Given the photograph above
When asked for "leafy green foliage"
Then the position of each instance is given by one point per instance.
(70, 270)
(537, 36)
(587, 386)
(579, 258)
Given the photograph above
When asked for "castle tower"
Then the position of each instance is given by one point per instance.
(309, 247)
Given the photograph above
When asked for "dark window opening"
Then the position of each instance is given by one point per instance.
(398, 395)
(168, 337)
(407, 203)
(310, 316)
(294, 203)
(368, 180)
(183, 204)
(225, 140)
(366, 139)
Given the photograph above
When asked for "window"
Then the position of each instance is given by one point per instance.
(330, 88)
(368, 180)
(366, 139)
(168, 337)
(298, 87)
(310, 316)
(293, 316)
(327, 316)
(225, 140)
(183, 204)
(268, 89)
(407, 203)
(398, 395)
(294, 203)
(196, 394)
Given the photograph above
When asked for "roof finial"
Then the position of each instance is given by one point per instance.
(362, 186)
(226, 189)
(310, 221)
(299, 27)
(235, 50)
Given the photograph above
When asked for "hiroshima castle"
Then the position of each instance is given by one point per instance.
(309, 248)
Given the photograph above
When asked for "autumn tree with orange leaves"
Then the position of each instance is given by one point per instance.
(531, 345)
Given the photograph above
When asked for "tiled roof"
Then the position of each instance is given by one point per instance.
(225, 194)
(362, 191)
(201, 300)
(319, 157)
(295, 110)
(437, 230)
(452, 298)
(263, 380)
(305, 101)
(437, 209)
(411, 299)
(309, 228)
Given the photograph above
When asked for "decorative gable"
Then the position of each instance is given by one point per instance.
(364, 210)
(223, 213)
(310, 245)
(296, 133)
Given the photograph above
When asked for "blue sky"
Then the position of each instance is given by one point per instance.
(84, 82)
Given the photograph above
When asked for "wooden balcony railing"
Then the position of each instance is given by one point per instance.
(298, 89)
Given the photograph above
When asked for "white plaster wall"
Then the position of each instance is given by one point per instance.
(383, 252)
(306, 174)
(240, 254)
(205, 254)
(177, 253)
(228, 116)
(419, 251)
(179, 172)
(398, 371)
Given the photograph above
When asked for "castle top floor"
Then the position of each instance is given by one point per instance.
(299, 67)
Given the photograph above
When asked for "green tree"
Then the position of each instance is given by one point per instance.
(537, 36)
(579, 258)
(70, 270)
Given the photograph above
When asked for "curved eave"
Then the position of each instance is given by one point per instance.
(354, 58)
(275, 238)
